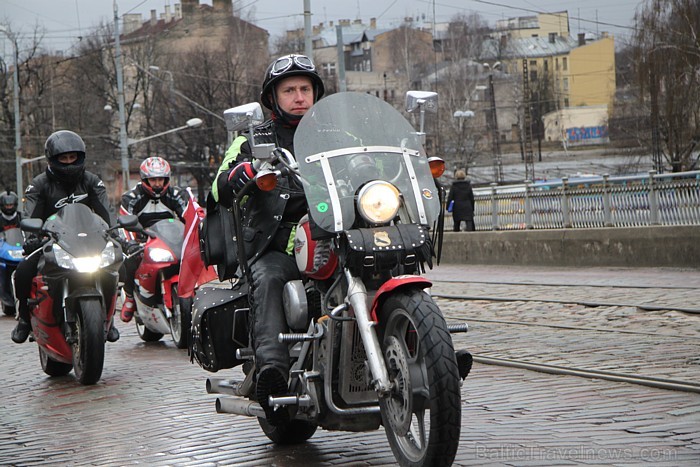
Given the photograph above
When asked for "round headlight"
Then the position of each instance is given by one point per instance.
(378, 202)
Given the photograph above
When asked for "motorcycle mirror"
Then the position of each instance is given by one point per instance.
(243, 116)
(128, 221)
(421, 100)
(32, 225)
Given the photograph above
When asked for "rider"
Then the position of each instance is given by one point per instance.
(10, 217)
(65, 181)
(290, 88)
(152, 199)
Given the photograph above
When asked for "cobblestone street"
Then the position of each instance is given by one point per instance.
(151, 407)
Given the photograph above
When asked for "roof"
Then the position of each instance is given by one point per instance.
(529, 47)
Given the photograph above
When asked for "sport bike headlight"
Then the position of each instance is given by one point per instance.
(16, 254)
(85, 263)
(378, 202)
(160, 255)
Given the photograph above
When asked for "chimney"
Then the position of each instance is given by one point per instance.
(168, 16)
(504, 41)
(154, 18)
(177, 14)
(223, 5)
(189, 7)
(373, 23)
(581, 38)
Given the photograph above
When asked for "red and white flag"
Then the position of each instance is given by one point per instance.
(193, 273)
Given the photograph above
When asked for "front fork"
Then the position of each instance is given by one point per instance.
(357, 296)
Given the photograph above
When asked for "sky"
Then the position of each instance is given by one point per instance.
(64, 21)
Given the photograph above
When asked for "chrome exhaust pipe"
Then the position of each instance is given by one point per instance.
(239, 407)
(229, 386)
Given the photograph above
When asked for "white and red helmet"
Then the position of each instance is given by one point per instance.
(154, 167)
(315, 259)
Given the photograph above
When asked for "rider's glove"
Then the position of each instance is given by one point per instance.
(240, 175)
(31, 245)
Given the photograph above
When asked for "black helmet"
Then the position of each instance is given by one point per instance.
(284, 67)
(61, 142)
(8, 203)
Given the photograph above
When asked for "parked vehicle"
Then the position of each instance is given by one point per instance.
(11, 253)
(368, 345)
(74, 293)
(158, 306)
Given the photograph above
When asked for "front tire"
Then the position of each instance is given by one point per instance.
(89, 346)
(146, 334)
(181, 320)
(53, 367)
(422, 415)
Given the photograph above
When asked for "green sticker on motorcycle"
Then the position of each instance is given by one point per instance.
(322, 207)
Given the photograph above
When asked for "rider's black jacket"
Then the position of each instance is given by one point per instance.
(45, 195)
(171, 203)
(267, 216)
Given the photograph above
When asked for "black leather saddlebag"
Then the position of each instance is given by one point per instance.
(219, 326)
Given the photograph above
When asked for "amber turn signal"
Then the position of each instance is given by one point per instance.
(266, 180)
(437, 166)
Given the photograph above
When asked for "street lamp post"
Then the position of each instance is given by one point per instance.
(18, 136)
(460, 115)
(123, 141)
(191, 123)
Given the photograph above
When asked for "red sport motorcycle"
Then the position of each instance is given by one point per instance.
(368, 345)
(159, 309)
(74, 293)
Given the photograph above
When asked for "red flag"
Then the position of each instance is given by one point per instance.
(192, 271)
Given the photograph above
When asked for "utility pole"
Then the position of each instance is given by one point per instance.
(18, 134)
(123, 140)
(495, 143)
(308, 49)
(527, 126)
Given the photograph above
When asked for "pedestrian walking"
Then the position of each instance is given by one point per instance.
(461, 197)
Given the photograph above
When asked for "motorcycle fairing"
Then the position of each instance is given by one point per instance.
(80, 231)
(172, 233)
(348, 139)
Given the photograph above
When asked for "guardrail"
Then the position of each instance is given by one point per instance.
(632, 201)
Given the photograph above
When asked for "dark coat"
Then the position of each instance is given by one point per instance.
(463, 196)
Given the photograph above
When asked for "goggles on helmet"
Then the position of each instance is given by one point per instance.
(283, 64)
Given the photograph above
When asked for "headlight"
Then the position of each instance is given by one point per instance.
(160, 255)
(85, 263)
(378, 202)
(16, 254)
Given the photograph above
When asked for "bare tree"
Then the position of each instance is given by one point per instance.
(667, 58)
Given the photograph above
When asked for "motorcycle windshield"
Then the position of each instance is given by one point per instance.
(172, 233)
(80, 231)
(348, 139)
(13, 237)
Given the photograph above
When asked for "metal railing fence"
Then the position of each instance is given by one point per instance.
(633, 201)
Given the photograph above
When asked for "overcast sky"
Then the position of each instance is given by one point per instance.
(65, 20)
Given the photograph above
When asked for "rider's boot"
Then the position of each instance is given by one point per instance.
(128, 308)
(113, 333)
(21, 332)
(271, 382)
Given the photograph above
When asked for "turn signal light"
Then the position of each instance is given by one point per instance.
(437, 166)
(266, 180)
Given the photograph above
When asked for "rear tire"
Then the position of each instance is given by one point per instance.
(181, 320)
(146, 334)
(422, 415)
(294, 432)
(89, 346)
(53, 367)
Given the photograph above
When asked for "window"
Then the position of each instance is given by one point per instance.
(566, 102)
(564, 64)
(565, 84)
(533, 63)
(533, 75)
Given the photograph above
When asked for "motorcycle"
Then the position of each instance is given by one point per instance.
(11, 253)
(159, 310)
(73, 295)
(368, 345)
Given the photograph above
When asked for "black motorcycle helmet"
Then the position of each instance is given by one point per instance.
(284, 67)
(8, 203)
(62, 142)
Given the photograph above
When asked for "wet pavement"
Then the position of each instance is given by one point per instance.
(151, 407)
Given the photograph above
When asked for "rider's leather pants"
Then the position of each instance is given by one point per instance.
(269, 273)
